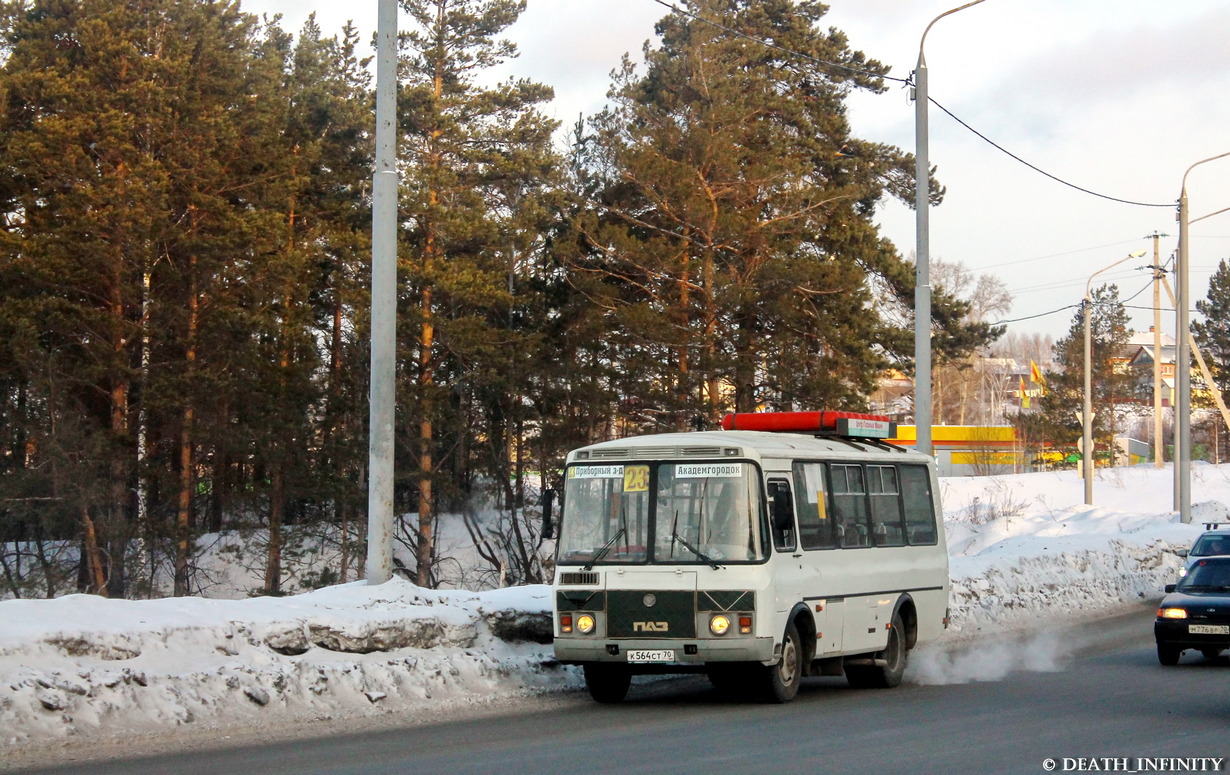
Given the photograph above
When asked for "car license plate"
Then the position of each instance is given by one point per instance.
(1209, 629)
(648, 655)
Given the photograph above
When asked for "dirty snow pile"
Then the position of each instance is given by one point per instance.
(1025, 548)
(79, 667)
(82, 665)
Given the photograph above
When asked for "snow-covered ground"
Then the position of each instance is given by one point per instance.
(87, 668)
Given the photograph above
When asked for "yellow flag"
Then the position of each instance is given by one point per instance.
(1024, 395)
(1035, 374)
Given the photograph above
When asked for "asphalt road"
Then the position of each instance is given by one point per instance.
(1106, 698)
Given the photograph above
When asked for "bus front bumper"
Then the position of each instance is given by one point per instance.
(648, 653)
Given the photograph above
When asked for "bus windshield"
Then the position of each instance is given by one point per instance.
(706, 513)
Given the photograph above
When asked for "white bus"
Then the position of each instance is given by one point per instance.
(786, 545)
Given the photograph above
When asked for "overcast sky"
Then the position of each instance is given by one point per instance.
(1118, 98)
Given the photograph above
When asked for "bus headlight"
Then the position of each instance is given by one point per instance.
(585, 624)
(719, 624)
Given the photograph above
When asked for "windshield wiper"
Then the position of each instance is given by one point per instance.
(701, 555)
(605, 548)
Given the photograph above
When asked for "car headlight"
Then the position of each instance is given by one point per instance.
(1171, 613)
(585, 624)
(719, 624)
(1183, 572)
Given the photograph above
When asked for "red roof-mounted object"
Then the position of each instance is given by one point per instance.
(848, 424)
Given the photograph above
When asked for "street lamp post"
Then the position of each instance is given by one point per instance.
(922, 269)
(1183, 358)
(1087, 412)
(382, 390)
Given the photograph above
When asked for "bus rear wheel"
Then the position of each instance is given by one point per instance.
(895, 656)
(607, 683)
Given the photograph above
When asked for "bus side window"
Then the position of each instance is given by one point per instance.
(886, 529)
(919, 514)
(811, 504)
(781, 515)
(850, 504)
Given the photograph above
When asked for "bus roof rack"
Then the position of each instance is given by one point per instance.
(848, 425)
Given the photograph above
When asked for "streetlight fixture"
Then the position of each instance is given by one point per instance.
(922, 270)
(1087, 413)
(1183, 358)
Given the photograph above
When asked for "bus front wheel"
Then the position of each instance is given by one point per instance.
(781, 681)
(607, 683)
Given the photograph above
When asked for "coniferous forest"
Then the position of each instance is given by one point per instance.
(185, 252)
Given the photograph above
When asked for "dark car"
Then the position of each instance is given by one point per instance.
(1195, 614)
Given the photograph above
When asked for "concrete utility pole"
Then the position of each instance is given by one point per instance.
(922, 258)
(1158, 274)
(1183, 361)
(384, 303)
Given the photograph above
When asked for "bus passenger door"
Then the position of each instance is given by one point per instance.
(788, 571)
(820, 545)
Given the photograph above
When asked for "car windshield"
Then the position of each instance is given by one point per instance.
(1210, 546)
(1206, 575)
(706, 513)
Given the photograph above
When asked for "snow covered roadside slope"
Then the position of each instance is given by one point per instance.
(1023, 554)
(81, 667)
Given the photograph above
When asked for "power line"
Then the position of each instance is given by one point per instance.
(1122, 274)
(1041, 171)
(1134, 295)
(1039, 315)
(1060, 255)
(908, 82)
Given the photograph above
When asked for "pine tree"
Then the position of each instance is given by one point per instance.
(146, 176)
(1057, 421)
(475, 159)
(1213, 334)
(732, 240)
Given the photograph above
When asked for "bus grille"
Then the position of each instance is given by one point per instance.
(651, 613)
(580, 577)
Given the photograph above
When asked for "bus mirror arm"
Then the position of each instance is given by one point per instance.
(548, 513)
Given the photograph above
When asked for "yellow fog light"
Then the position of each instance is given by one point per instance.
(719, 624)
(585, 624)
(1172, 613)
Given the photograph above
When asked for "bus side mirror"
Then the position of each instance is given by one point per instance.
(548, 513)
(1182, 552)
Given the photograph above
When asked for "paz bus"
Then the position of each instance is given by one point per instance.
(782, 546)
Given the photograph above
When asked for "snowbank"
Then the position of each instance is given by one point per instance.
(85, 667)
(80, 665)
(1017, 559)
